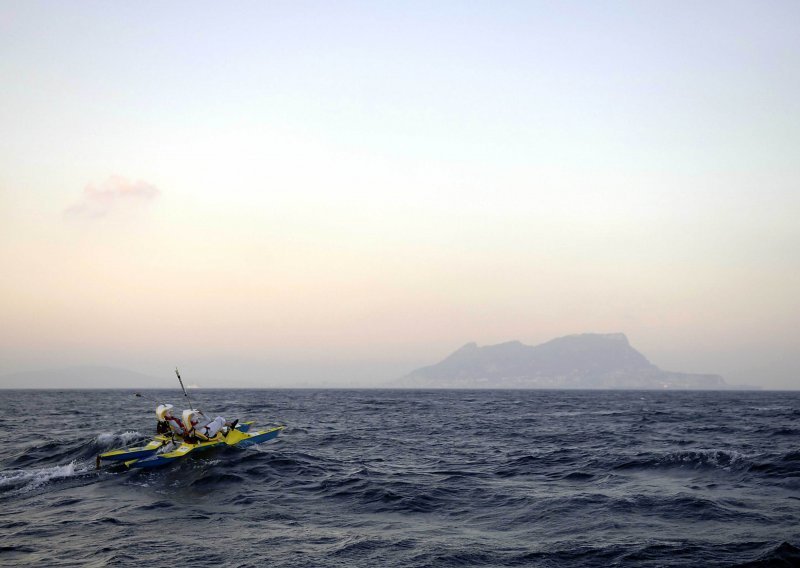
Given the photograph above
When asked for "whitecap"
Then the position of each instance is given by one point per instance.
(124, 437)
(29, 479)
(129, 435)
(106, 437)
(723, 459)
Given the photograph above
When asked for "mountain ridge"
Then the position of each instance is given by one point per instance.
(581, 361)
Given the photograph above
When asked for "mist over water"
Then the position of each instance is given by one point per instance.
(411, 478)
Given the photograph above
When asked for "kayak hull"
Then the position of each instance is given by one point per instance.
(184, 450)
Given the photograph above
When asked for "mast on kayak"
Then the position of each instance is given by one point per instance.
(186, 394)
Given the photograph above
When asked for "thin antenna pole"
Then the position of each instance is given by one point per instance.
(186, 394)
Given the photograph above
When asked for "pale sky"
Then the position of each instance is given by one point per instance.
(267, 191)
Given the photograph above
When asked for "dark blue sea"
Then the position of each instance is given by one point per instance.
(410, 479)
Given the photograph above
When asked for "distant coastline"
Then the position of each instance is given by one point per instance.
(585, 361)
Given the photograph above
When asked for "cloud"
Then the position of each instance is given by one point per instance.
(116, 194)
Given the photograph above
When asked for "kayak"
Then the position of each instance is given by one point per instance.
(167, 444)
(185, 449)
(159, 441)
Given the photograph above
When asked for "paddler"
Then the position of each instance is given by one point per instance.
(192, 420)
(167, 422)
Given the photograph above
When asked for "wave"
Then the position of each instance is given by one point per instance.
(216, 479)
(123, 438)
(25, 480)
(785, 432)
(691, 459)
(784, 466)
(683, 506)
(378, 494)
(782, 555)
(49, 452)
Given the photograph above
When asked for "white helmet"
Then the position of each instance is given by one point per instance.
(162, 410)
(187, 416)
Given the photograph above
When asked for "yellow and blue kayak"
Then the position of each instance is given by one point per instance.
(166, 443)
(185, 449)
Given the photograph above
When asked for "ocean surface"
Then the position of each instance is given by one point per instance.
(410, 478)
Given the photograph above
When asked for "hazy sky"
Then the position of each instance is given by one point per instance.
(267, 191)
